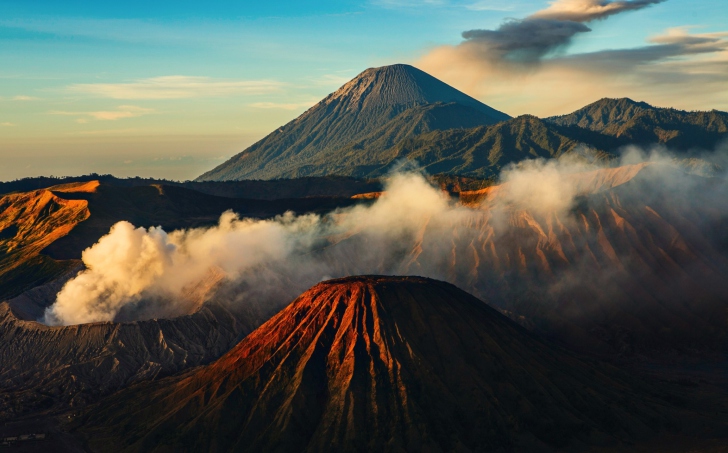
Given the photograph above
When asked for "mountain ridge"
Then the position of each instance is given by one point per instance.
(639, 123)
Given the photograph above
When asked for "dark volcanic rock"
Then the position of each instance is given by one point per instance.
(381, 364)
(62, 368)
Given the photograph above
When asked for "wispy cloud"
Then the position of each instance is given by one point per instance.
(6, 124)
(489, 5)
(477, 5)
(105, 132)
(408, 3)
(335, 79)
(283, 106)
(127, 30)
(123, 111)
(25, 98)
(177, 87)
(590, 10)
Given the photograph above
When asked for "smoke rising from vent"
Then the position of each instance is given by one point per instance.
(132, 265)
(545, 225)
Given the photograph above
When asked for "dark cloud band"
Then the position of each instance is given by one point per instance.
(528, 40)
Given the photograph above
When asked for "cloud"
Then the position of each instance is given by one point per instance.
(122, 112)
(25, 98)
(390, 4)
(136, 266)
(176, 87)
(283, 106)
(529, 40)
(522, 67)
(103, 132)
(589, 10)
(7, 124)
(489, 5)
(673, 44)
(524, 41)
(479, 5)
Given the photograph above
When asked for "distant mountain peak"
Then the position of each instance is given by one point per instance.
(352, 131)
(399, 85)
(639, 123)
(619, 101)
(603, 113)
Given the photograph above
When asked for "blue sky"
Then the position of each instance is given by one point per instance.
(170, 89)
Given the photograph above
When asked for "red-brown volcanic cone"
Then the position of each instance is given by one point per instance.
(380, 363)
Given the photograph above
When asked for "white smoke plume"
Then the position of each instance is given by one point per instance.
(130, 265)
(412, 229)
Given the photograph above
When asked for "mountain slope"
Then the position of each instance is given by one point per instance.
(381, 364)
(642, 124)
(635, 265)
(61, 368)
(326, 186)
(44, 231)
(483, 151)
(29, 222)
(172, 207)
(392, 101)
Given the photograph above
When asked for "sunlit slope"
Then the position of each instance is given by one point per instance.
(381, 364)
(29, 222)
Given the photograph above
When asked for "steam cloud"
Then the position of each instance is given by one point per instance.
(412, 229)
(132, 265)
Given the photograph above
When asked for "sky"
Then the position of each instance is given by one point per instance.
(171, 89)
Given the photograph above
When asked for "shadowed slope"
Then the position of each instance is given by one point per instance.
(380, 363)
(61, 368)
(171, 207)
(483, 151)
(636, 265)
(639, 123)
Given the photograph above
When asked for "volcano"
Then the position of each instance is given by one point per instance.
(381, 363)
(351, 132)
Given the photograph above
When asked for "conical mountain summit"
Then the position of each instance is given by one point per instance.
(352, 131)
(379, 363)
(400, 85)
